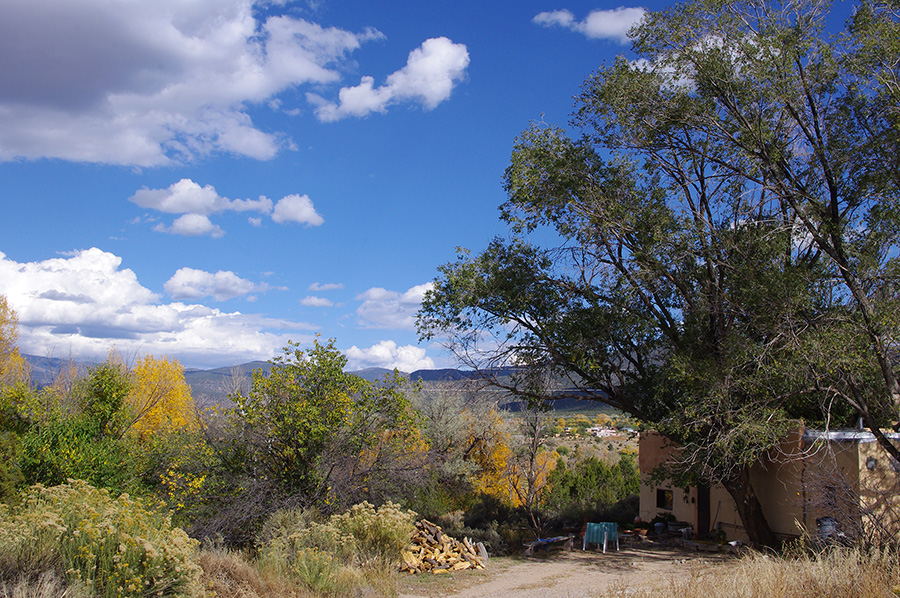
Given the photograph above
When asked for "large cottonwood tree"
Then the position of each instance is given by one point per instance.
(728, 227)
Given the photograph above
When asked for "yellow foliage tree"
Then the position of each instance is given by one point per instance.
(604, 420)
(487, 447)
(13, 367)
(160, 398)
(527, 476)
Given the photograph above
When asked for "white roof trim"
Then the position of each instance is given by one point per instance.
(845, 435)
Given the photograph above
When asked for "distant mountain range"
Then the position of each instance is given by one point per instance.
(211, 387)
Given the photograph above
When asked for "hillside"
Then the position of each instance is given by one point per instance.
(211, 387)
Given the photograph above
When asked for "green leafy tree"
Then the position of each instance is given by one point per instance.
(590, 487)
(728, 224)
(102, 398)
(320, 432)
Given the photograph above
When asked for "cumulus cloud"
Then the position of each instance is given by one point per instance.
(382, 308)
(196, 203)
(191, 225)
(188, 283)
(312, 301)
(431, 72)
(599, 24)
(188, 197)
(386, 354)
(152, 83)
(85, 303)
(296, 208)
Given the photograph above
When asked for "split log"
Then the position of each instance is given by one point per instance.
(432, 550)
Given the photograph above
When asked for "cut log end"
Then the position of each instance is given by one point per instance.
(431, 550)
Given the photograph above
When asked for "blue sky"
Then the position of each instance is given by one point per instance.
(206, 179)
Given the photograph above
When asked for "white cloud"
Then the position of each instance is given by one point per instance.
(429, 76)
(386, 354)
(599, 24)
(196, 203)
(86, 303)
(296, 208)
(151, 83)
(382, 308)
(182, 197)
(188, 283)
(191, 225)
(328, 286)
(316, 302)
(188, 197)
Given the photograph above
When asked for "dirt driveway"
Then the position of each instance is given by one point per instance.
(574, 574)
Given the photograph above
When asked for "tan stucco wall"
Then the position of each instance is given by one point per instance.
(797, 484)
(656, 449)
(880, 492)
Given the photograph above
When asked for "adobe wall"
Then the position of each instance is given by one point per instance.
(879, 489)
(797, 484)
(656, 449)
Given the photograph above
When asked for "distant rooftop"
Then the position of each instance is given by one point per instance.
(845, 435)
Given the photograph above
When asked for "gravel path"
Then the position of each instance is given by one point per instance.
(574, 574)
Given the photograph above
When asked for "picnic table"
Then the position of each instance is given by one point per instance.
(557, 543)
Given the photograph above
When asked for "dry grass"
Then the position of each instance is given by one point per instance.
(839, 573)
(45, 585)
(229, 574)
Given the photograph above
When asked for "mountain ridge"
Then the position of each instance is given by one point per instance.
(213, 386)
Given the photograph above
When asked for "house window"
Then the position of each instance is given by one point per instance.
(664, 499)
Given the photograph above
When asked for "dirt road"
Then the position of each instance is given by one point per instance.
(574, 574)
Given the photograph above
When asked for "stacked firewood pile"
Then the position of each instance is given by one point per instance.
(431, 550)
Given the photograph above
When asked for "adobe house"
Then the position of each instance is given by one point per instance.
(840, 474)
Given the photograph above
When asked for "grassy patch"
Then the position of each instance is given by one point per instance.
(839, 573)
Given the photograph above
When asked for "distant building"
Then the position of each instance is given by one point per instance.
(842, 479)
(601, 432)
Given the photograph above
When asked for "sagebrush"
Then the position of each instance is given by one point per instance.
(114, 547)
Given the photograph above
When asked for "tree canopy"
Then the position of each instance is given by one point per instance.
(13, 367)
(714, 248)
(160, 398)
(320, 432)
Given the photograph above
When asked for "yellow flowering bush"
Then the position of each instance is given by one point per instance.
(117, 547)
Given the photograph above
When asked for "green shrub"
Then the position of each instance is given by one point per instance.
(284, 523)
(67, 447)
(377, 534)
(589, 487)
(317, 569)
(119, 548)
(353, 549)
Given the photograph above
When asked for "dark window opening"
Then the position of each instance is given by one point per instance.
(665, 499)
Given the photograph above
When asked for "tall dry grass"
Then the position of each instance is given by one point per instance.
(47, 584)
(836, 573)
(352, 553)
(231, 574)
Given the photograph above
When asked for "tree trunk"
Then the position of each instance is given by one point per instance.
(750, 510)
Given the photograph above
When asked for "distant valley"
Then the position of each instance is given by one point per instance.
(213, 386)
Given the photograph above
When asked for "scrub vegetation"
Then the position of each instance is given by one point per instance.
(727, 208)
